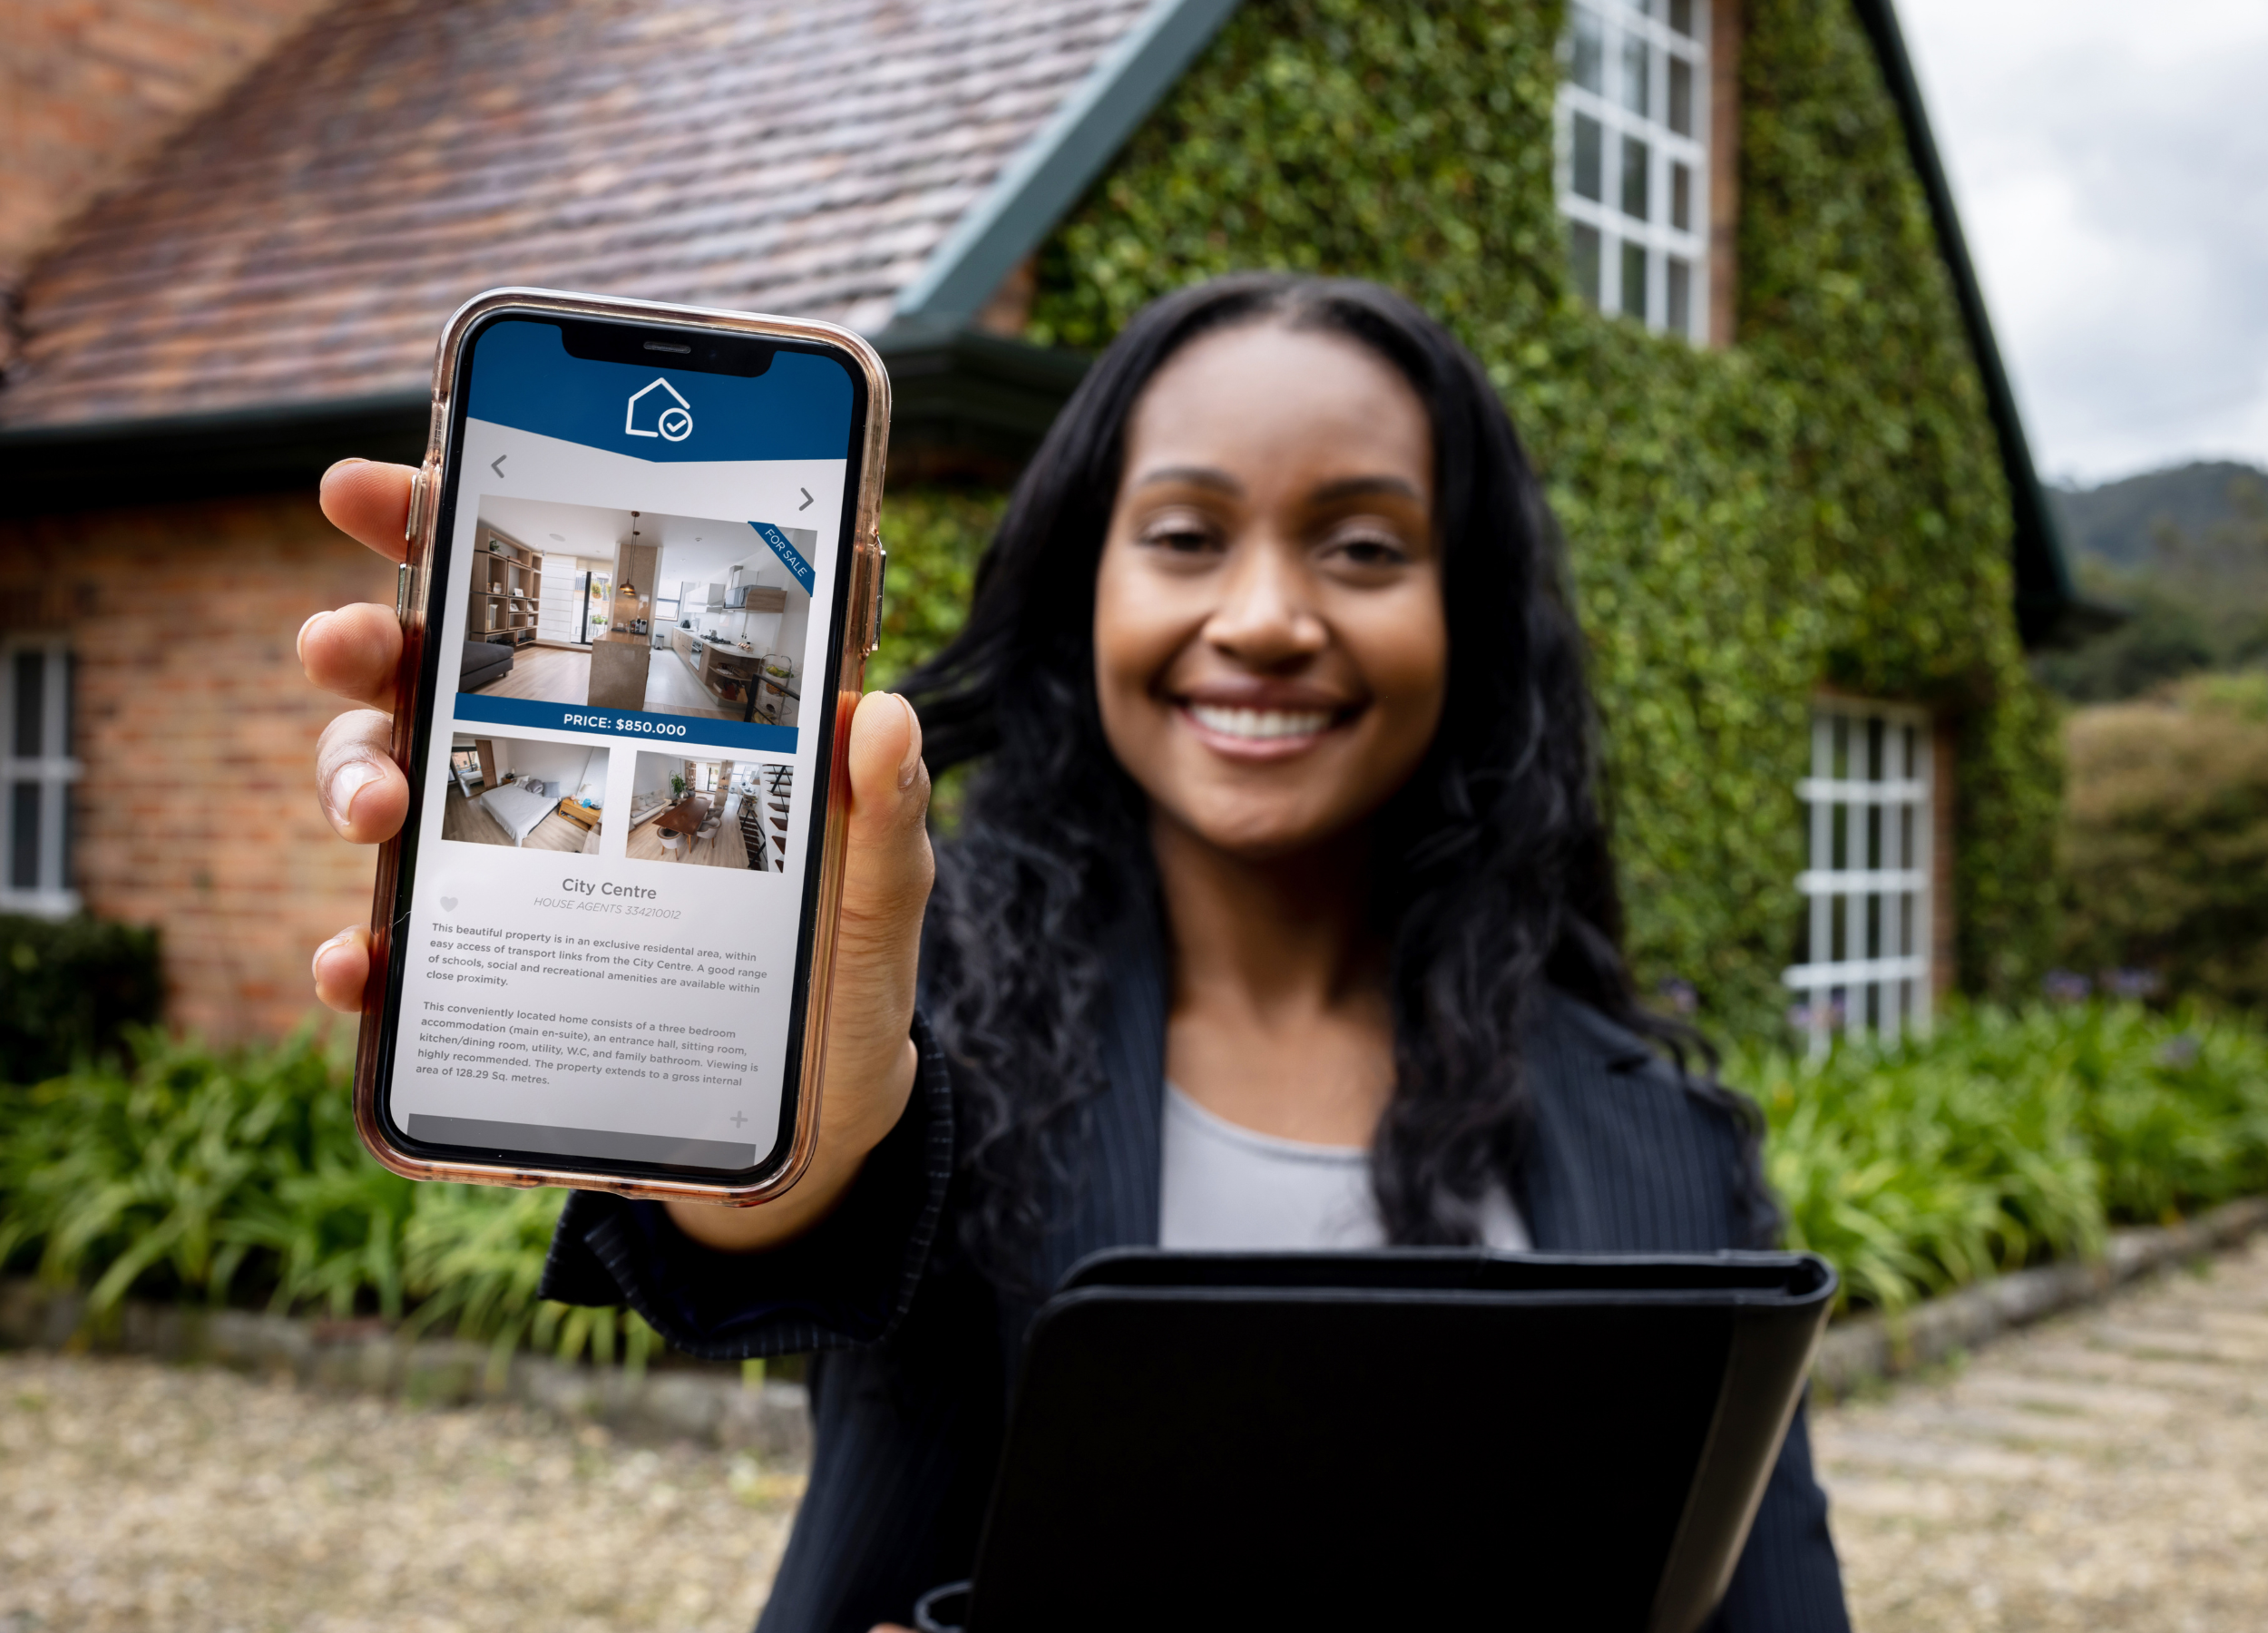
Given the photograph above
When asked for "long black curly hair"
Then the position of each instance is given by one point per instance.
(1492, 874)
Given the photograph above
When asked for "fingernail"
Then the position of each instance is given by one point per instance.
(348, 782)
(910, 766)
(314, 965)
(300, 644)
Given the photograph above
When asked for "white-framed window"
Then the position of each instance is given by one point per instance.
(1868, 802)
(1634, 159)
(37, 770)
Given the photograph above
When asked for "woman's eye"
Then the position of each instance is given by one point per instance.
(1370, 549)
(1179, 535)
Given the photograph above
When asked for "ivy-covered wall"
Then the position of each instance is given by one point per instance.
(1822, 502)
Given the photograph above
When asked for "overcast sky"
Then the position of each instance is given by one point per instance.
(2110, 158)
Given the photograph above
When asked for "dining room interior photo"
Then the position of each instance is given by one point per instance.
(712, 812)
(521, 792)
(637, 611)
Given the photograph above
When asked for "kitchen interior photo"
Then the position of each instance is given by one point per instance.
(712, 812)
(535, 795)
(683, 615)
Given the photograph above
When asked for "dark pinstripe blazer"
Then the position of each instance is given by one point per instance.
(910, 1381)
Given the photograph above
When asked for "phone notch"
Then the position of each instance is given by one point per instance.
(743, 355)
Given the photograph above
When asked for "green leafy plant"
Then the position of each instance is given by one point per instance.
(237, 1177)
(2002, 1139)
(2007, 1137)
(69, 989)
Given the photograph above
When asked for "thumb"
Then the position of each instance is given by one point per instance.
(889, 865)
(887, 870)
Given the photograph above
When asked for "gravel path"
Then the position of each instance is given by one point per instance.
(135, 1496)
(2108, 1470)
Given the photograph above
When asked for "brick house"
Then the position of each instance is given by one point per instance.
(257, 293)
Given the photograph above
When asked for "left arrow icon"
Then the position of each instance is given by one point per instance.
(498, 463)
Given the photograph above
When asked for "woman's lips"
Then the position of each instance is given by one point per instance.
(1257, 734)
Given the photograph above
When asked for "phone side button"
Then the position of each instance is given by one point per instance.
(401, 593)
(874, 624)
(417, 499)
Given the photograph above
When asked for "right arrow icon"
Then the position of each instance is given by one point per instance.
(806, 499)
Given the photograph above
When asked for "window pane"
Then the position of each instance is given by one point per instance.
(1589, 167)
(1634, 69)
(1680, 317)
(70, 743)
(31, 702)
(1681, 197)
(1681, 17)
(1633, 176)
(23, 836)
(1681, 96)
(1634, 280)
(1589, 69)
(1583, 256)
(67, 809)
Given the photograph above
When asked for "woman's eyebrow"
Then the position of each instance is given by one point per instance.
(1359, 487)
(1204, 477)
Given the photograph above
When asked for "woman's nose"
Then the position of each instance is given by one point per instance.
(1265, 616)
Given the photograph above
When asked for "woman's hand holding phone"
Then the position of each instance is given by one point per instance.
(870, 1056)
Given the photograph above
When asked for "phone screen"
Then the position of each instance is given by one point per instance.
(632, 613)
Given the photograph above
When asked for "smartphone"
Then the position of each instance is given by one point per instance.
(643, 578)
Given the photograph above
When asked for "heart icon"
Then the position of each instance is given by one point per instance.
(448, 904)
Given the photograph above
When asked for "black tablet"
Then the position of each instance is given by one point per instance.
(1392, 1439)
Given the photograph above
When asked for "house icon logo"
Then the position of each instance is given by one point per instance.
(672, 421)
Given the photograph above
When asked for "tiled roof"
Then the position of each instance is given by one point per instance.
(305, 241)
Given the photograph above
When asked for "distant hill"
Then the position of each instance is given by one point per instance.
(2115, 523)
(2183, 554)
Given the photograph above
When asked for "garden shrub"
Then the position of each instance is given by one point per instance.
(2165, 837)
(2003, 1140)
(237, 1177)
(2006, 1137)
(69, 988)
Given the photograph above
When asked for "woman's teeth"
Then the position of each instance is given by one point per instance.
(1260, 723)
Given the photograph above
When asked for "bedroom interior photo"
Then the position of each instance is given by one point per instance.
(714, 813)
(531, 795)
(678, 615)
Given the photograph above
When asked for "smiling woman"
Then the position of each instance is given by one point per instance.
(1280, 914)
(1270, 646)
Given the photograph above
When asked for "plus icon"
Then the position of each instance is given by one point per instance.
(738, 1119)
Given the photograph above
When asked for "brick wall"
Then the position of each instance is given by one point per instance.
(197, 809)
(89, 86)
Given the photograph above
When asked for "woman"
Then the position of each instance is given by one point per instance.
(1280, 914)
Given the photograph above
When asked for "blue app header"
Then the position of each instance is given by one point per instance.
(521, 377)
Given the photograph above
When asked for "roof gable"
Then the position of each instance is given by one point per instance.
(791, 157)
